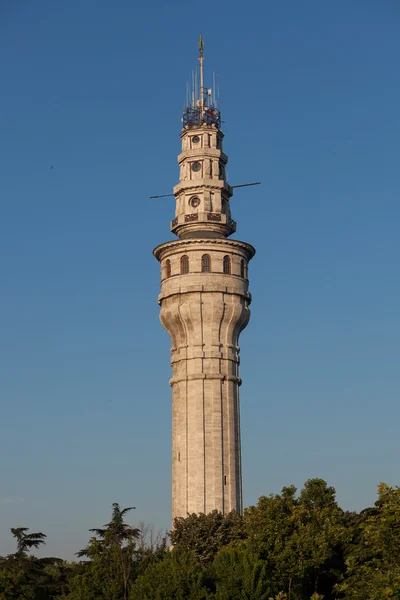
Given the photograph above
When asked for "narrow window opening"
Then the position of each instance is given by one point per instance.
(225, 480)
(167, 268)
(206, 263)
(179, 457)
(242, 269)
(227, 265)
(184, 265)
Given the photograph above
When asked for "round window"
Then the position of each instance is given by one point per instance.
(194, 202)
(196, 166)
(195, 139)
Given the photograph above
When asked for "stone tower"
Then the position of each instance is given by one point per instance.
(204, 303)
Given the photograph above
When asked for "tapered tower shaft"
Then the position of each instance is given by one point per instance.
(204, 303)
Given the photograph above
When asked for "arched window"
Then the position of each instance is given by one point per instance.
(227, 265)
(243, 269)
(167, 268)
(206, 263)
(184, 265)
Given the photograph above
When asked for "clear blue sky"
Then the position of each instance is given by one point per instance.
(310, 102)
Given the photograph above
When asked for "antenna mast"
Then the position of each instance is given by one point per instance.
(202, 103)
(201, 58)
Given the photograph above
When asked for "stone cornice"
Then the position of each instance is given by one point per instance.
(189, 243)
(199, 153)
(204, 289)
(204, 376)
(201, 184)
(200, 129)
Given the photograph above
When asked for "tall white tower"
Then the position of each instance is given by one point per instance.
(204, 303)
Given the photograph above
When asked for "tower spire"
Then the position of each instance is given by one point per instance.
(201, 58)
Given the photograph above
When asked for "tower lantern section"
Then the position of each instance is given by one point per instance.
(202, 194)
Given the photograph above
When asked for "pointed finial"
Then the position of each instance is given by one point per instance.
(201, 45)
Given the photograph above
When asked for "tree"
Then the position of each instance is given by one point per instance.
(373, 556)
(21, 575)
(205, 535)
(322, 534)
(26, 541)
(302, 538)
(111, 557)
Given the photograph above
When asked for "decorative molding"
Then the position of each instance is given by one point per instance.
(194, 377)
(179, 245)
(213, 216)
(191, 217)
(203, 289)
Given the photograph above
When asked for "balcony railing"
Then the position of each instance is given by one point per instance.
(194, 117)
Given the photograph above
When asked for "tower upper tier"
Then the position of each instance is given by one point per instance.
(202, 194)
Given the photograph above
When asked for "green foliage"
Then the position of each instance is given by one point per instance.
(55, 577)
(100, 578)
(26, 541)
(180, 576)
(373, 557)
(300, 537)
(15, 584)
(240, 575)
(108, 573)
(30, 577)
(205, 535)
(287, 547)
(147, 556)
